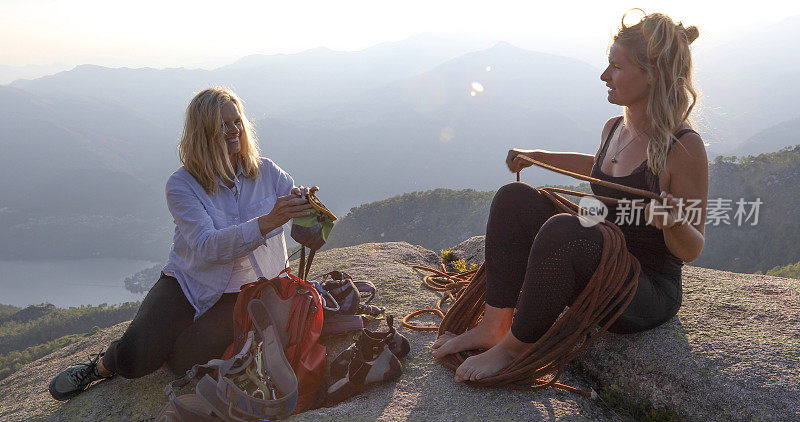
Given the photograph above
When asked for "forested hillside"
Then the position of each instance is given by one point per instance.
(27, 334)
(738, 245)
(434, 219)
(788, 271)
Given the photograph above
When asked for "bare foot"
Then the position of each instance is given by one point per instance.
(491, 361)
(492, 328)
(442, 339)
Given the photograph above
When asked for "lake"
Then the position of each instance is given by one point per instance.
(67, 283)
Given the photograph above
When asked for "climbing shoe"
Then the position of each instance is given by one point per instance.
(370, 362)
(75, 379)
(394, 342)
(371, 311)
(398, 343)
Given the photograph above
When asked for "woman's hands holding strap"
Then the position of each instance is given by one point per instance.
(295, 204)
(515, 163)
(571, 161)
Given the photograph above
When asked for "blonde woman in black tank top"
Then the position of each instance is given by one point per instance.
(538, 260)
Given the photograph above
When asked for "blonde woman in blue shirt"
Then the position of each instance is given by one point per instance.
(229, 206)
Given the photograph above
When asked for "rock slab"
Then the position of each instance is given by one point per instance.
(731, 354)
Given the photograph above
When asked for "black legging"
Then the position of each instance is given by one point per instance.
(539, 260)
(164, 331)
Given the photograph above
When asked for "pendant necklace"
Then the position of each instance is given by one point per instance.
(614, 158)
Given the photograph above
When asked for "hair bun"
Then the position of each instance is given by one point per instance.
(691, 33)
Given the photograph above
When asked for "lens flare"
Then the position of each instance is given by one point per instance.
(488, 68)
(477, 87)
(447, 134)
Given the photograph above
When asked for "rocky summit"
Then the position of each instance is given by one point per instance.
(731, 353)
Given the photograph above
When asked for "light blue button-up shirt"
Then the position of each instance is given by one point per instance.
(211, 232)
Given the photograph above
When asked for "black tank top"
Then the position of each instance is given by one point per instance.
(644, 241)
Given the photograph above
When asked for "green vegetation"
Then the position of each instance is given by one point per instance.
(11, 362)
(30, 333)
(447, 255)
(6, 310)
(788, 271)
(462, 266)
(142, 281)
(622, 404)
(614, 398)
(772, 241)
(433, 219)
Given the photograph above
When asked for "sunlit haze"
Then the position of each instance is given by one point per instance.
(208, 34)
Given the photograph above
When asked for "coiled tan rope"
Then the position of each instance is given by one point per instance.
(451, 284)
(602, 301)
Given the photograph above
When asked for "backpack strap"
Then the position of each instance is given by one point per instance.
(366, 287)
(339, 323)
(302, 265)
(311, 254)
(305, 265)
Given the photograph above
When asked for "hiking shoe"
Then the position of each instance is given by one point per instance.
(75, 379)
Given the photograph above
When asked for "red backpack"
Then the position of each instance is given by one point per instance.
(297, 307)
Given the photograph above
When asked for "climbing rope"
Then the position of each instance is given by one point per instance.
(450, 284)
(602, 301)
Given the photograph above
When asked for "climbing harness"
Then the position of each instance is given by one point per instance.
(256, 383)
(602, 301)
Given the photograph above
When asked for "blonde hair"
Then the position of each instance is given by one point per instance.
(202, 149)
(661, 48)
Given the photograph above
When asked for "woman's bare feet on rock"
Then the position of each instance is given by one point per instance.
(491, 361)
(444, 338)
(493, 327)
(480, 337)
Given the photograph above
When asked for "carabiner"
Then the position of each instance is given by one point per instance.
(325, 297)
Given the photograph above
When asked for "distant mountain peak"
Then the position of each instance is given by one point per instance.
(319, 50)
(83, 67)
(504, 45)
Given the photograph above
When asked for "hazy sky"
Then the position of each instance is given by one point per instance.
(206, 34)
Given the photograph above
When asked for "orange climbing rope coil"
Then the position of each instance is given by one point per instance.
(448, 283)
(605, 297)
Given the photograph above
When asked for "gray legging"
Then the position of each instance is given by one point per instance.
(538, 261)
(164, 331)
